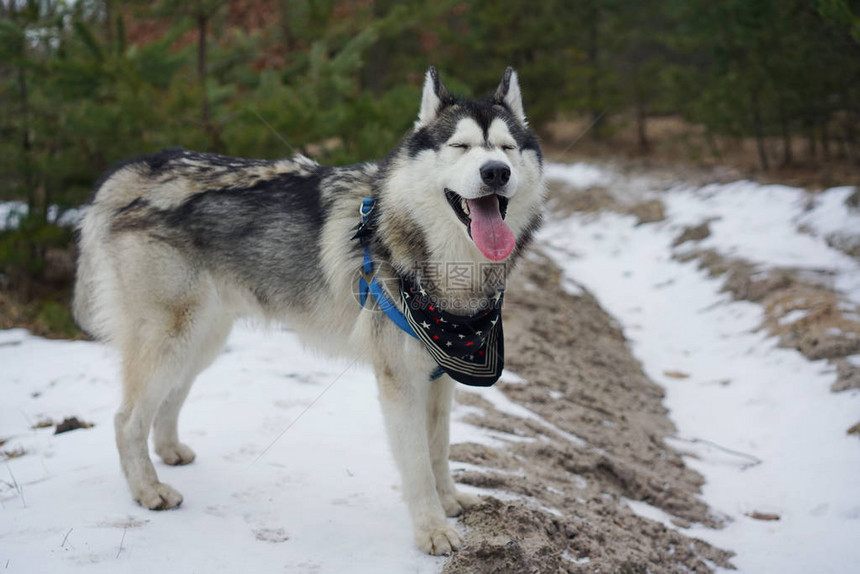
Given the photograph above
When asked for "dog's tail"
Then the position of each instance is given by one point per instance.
(95, 291)
(92, 270)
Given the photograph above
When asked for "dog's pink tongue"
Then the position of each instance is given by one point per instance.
(489, 231)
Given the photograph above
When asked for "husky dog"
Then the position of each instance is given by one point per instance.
(175, 246)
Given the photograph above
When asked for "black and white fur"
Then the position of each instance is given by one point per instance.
(176, 246)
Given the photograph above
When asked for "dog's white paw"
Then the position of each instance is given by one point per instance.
(175, 454)
(438, 541)
(159, 496)
(456, 502)
(451, 506)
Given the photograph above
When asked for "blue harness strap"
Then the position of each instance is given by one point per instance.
(389, 308)
(377, 292)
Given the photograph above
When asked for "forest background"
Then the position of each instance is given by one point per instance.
(769, 86)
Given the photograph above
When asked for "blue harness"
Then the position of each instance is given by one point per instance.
(374, 289)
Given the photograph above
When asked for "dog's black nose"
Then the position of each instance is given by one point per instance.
(495, 174)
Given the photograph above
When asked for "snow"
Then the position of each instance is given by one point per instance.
(323, 498)
(319, 496)
(511, 378)
(828, 214)
(11, 213)
(579, 175)
(759, 422)
(650, 512)
(794, 316)
(505, 405)
(761, 224)
(66, 218)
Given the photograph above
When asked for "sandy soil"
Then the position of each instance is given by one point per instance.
(827, 330)
(563, 484)
(601, 444)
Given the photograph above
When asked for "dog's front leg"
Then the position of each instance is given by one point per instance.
(404, 406)
(441, 397)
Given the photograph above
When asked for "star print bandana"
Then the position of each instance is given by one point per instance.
(470, 348)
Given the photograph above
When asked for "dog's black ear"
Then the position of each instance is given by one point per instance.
(435, 94)
(508, 93)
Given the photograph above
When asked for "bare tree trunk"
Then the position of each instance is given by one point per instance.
(286, 28)
(210, 128)
(202, 21)
(712, 144)
(109, 23)
(33, 204)
(759, 130)
(374, 74)
(593, 79)
(851, 117)
(825, 138)
(809, 128)
(787, 156)
(840, 146)
(642, 126)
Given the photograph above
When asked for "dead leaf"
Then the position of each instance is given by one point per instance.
(13, 453)
(762, 516)
(70, 424)
(676, 374)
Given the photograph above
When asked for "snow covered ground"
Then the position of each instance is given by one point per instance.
(323, 498)
(759, 422)
(763, 223)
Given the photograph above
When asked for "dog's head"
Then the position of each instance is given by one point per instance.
(473, 171)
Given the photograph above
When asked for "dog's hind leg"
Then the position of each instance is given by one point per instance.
(438, 431)
(165, 434)
(404, 406)
(151, 368)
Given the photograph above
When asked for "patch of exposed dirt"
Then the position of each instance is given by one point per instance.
(649, 211)
(12, 453)
(800, 308)
(602, 444)
(566, 201)
(693, 233)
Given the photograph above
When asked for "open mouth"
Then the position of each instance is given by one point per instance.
(461, 208)
(484, 220)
